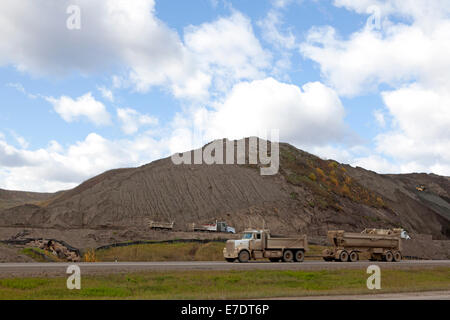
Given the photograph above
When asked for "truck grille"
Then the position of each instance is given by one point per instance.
(230, 246)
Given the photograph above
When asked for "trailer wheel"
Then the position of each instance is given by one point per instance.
(230, 259)
(299, 256)
(288, 256)
(244, 256)
(353, 257)
(397, 256)
(343, 256)
(388, 256)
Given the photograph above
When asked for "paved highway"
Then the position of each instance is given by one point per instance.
(54, 269)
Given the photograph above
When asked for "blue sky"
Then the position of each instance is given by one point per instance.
(364, 82)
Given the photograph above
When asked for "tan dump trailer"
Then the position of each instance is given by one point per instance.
(258, 244)
(380, 244)
(160, 225)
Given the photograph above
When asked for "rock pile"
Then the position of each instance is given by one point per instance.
(57, 249)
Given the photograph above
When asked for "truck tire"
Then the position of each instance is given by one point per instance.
(230, 259)
(353, 257)
(397, 256)
(288, 256)
(388, 257)
(343, 256)
(299, 256)
(244, 256)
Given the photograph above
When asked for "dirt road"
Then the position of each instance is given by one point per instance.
(59, 269)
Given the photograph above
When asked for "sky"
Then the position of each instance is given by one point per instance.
(91, 85)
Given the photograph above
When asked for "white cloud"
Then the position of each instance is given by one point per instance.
(55, 168)
(85, 106)
(307, 116)
(413, 58)
(127, 38)
(19, 87)
(132, 120)
(106, 93)
(379, 118)
(228, 49)
(395, 55)
(376, 163)
(422, 127)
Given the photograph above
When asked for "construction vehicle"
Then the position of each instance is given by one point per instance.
(218, 226)
(380, 244)
(160, 225)
(421, 188)
(259, 244)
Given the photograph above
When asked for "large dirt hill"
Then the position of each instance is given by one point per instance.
(307, 195)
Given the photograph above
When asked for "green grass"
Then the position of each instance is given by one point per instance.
(40, 255)
(181, 251)
(224, 284)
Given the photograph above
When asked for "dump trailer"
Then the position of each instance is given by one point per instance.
(381, 244)
(160, 225)
(218, 226)
(259, 244)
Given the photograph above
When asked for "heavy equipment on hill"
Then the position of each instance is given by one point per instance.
(380, 244)
(259, 244)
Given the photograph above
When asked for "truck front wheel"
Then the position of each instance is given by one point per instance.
(244, 256)
(299, 256)
(288, 256)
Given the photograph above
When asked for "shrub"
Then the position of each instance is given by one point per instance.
(312, 176)
(89, 256)
(335, 181)
(320, 172)
(345, 190)
(380, 202)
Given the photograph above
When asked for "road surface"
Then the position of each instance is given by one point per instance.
(55, 269)
(426, 295)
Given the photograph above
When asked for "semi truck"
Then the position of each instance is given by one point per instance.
(218, 226)
(259, 244)
(380, 244)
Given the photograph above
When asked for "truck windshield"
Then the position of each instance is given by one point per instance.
(247, 236)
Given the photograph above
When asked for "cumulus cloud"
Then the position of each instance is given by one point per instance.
(309, 115)
(85, 106)
(131, 120)
(412, 58)
(396, 54)
(129, 39)
(228, 49)
(55, 168)
(421, 133)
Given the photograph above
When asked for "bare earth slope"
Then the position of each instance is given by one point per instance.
(9, 199)
(307, 195)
